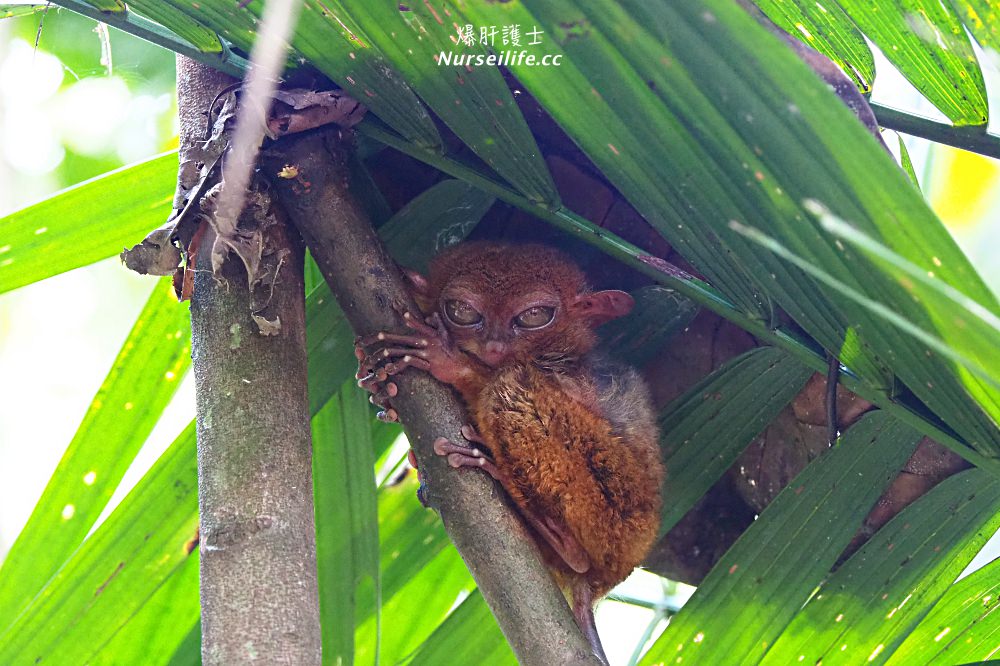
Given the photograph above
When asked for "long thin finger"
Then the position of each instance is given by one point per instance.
(418, 325)
(393, 352)
(394, 338)
(397, 367)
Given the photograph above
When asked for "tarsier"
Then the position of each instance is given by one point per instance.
(568, 433)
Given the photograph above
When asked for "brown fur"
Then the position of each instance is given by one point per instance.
(573, 434)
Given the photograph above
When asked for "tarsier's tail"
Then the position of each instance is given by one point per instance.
(583, 610)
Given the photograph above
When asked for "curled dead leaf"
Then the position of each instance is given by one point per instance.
(300, 109)
(155, 254)
(266, 326)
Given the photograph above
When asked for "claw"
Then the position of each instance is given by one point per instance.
(470, 434)
(463, 456)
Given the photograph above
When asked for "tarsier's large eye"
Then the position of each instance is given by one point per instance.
(461, 313)
(535, 317)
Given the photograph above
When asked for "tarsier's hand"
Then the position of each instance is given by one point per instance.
(429, 349)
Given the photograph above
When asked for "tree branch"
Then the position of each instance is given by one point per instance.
(975, 139)
(503, 559)
(259, 594)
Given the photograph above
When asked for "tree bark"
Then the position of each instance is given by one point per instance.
(526, 602)
(258, 563)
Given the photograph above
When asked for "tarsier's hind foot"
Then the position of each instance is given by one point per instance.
(462, 455)
(551, 530)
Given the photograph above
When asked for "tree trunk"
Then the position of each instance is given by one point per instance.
(503, 559)
(259, 595)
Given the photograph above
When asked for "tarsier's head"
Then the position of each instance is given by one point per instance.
(504, 302)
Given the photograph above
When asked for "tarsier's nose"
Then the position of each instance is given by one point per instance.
(494, 352)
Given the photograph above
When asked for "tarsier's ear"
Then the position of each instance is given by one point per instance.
(602, 306)
(420, 288)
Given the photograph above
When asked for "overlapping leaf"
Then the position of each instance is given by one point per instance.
(422, 576)
(117, 569)
(347, 542)
(982, 18)
(474, 102)
(142, 380)
(469, 635)
(962, 628)
(872, 602)
(801, 157)
(381, 52)
(826, 28)
(705, 430)
(925, 40)
(85, 223)
(180, 23)
(936, 316)
(161, 625)
(779, 560)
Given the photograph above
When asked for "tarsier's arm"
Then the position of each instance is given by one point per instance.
(431, 350)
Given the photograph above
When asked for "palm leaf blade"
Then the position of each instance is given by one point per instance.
(776, 563)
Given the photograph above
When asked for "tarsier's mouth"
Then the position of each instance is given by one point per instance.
(491, 359)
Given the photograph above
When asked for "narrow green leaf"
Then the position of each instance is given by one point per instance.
(776, 564)
(117, 569)
(907, 163)
(469, 635)
(180, 23)
(968, 327)
(85, 223)
(347, 543)
(436, 219)
(422, 576)
(827, 29)
(13, 11)
(138, 387)
(410, 537)
(474, 101)
(420, 606)
(872, 602)
(110, 6)
(331, 40)
(925, 41)
(826, 155)
(704, 431)
(962, 628)
(162, 624)
(914, 322)
(982, 18)
(188, 653)
(878, 308)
